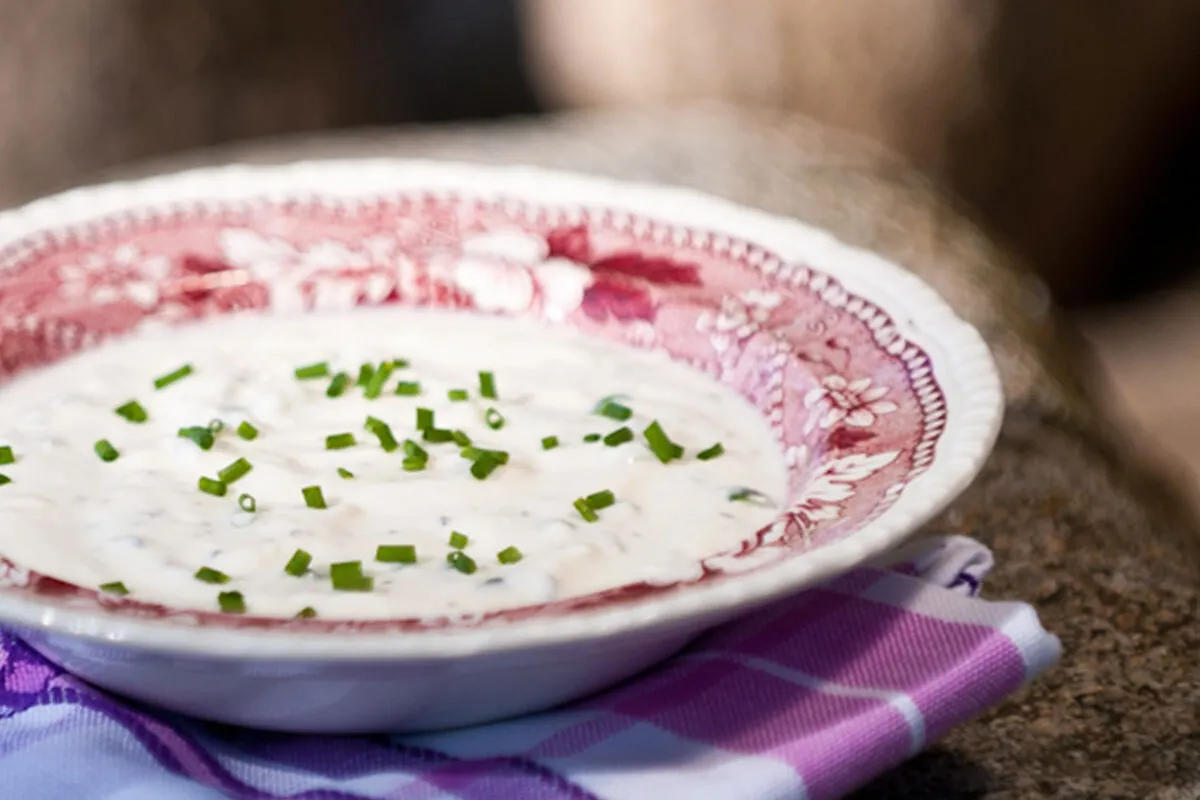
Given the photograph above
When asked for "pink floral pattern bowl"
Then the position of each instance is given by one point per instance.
(883, 402)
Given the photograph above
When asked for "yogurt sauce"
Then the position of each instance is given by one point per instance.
(142, 520)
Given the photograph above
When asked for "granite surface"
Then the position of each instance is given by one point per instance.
(1083, 525)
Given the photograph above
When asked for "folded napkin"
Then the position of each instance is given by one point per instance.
(808, 698)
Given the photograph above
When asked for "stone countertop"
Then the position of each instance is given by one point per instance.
(1081, 524)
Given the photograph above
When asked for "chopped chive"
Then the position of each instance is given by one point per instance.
(373, 422)
(414, 450)
(501, 456)
(114, 587)
(383, 433)
(247, 503)
(203, 437)
(177, 375)
(549, 442)
(585, 510)
(213, 487)
(408, 388)
(660, 444)
(437, 435)
(494, 419)
(509, 555)
(247, 431)
(6, 455)
(297, 565)
(308, 612)
(338, 386)
(458, 395)
(345, 473)
(487, 385)
(592, 437)
(234, 471)
(215, 426)
(460, 438)
(461, 562)
(340, 441)
(412, 464)
(471, 453)
(708, 455)
(365, 373)
(347, 576)
(458, 540)
(483, 466)
(424, 419)
(4, 479)
(396, 554)
(313, 497)
(210, 575)
(743, 494)
(609, 407)
(105, 450)
(318, 370)
(231, 602)
(400, 363)
(132, 412)
(374, 386)
(601, 499)
(619, 437)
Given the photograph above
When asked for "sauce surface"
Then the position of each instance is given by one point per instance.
(142, 520)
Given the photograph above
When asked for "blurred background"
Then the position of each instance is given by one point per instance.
(1068, 131)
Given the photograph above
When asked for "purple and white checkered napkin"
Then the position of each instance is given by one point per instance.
(806, 699)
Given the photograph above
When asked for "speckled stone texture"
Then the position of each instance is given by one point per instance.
(1082, 527)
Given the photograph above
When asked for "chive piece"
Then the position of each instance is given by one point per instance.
(609, 407)
(247, 503)
(487, 385)
(318, 370)
(365, 373)
(177, 375)
(340, 441)
(500, 456)
(132, 412)
(297, 565)
(373, 422)
(235, 471)
(215, 426)
(743, 494)
(408, 388)
(483, 466)
(114, 587)
(247, 431)
(601, 499)
(458, 540)
(437, 435)
(213, 487)
(660, 444)
(203, 437)
(461, 562)
(396, 554)
(231, 602)
(713, 452)
(4, 479)
(347, 576)
(424, 419)
(592, 437)
(6, 455)
(549, 442)
(471, 453)
(619, 437)
(345, 473)
(383, 433)
(374, 386)
(585, 510)
(414, 450)
(411, 464)
(313, 497)
(460, 438)
(210, 575)
(308, 612)
(458, 395)
(400, 363)
(105, 450)
(338, 386)
(494, 419)
(509, 555)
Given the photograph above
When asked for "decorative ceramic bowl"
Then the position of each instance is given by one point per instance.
(883, 403)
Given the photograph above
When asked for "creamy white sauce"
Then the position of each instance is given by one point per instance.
(142, 520)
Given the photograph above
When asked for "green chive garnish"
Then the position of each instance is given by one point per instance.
(509, 555)
(345, 473)
(396, 554)
(133, 412)
(744, 495)
(114, 587)
(374, 386)
(4, 479)
(461, 562)
(247, 503)
(414, 450)
(215, 426)
(319, 370)
(234, 471)
(247, 431)
(711, 453)
(203, 437)
(471, 453)
(549, 442)
(313, 497)
(458, 395)
(365, 372)
(105, 450)
(210, 486)
(437, 435)
(408, 388)
(424, 419)
(458, 540)
(339, 385)
(585, 510)
(231, 602)
(308, 612)
(609, 407)
(618, 437)
(179, 374)
(487, 385)
(411, 464)
(340, 441)
(592, 437)
(460, 438)
(483, 466)
(6, 455)
(601, 499)
(660, 444)
(400, 363)
(210, 575)
(347, 576)
(297, 565)
(383, 433)
(494, 419)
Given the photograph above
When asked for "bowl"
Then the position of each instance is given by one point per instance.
(883, 402)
